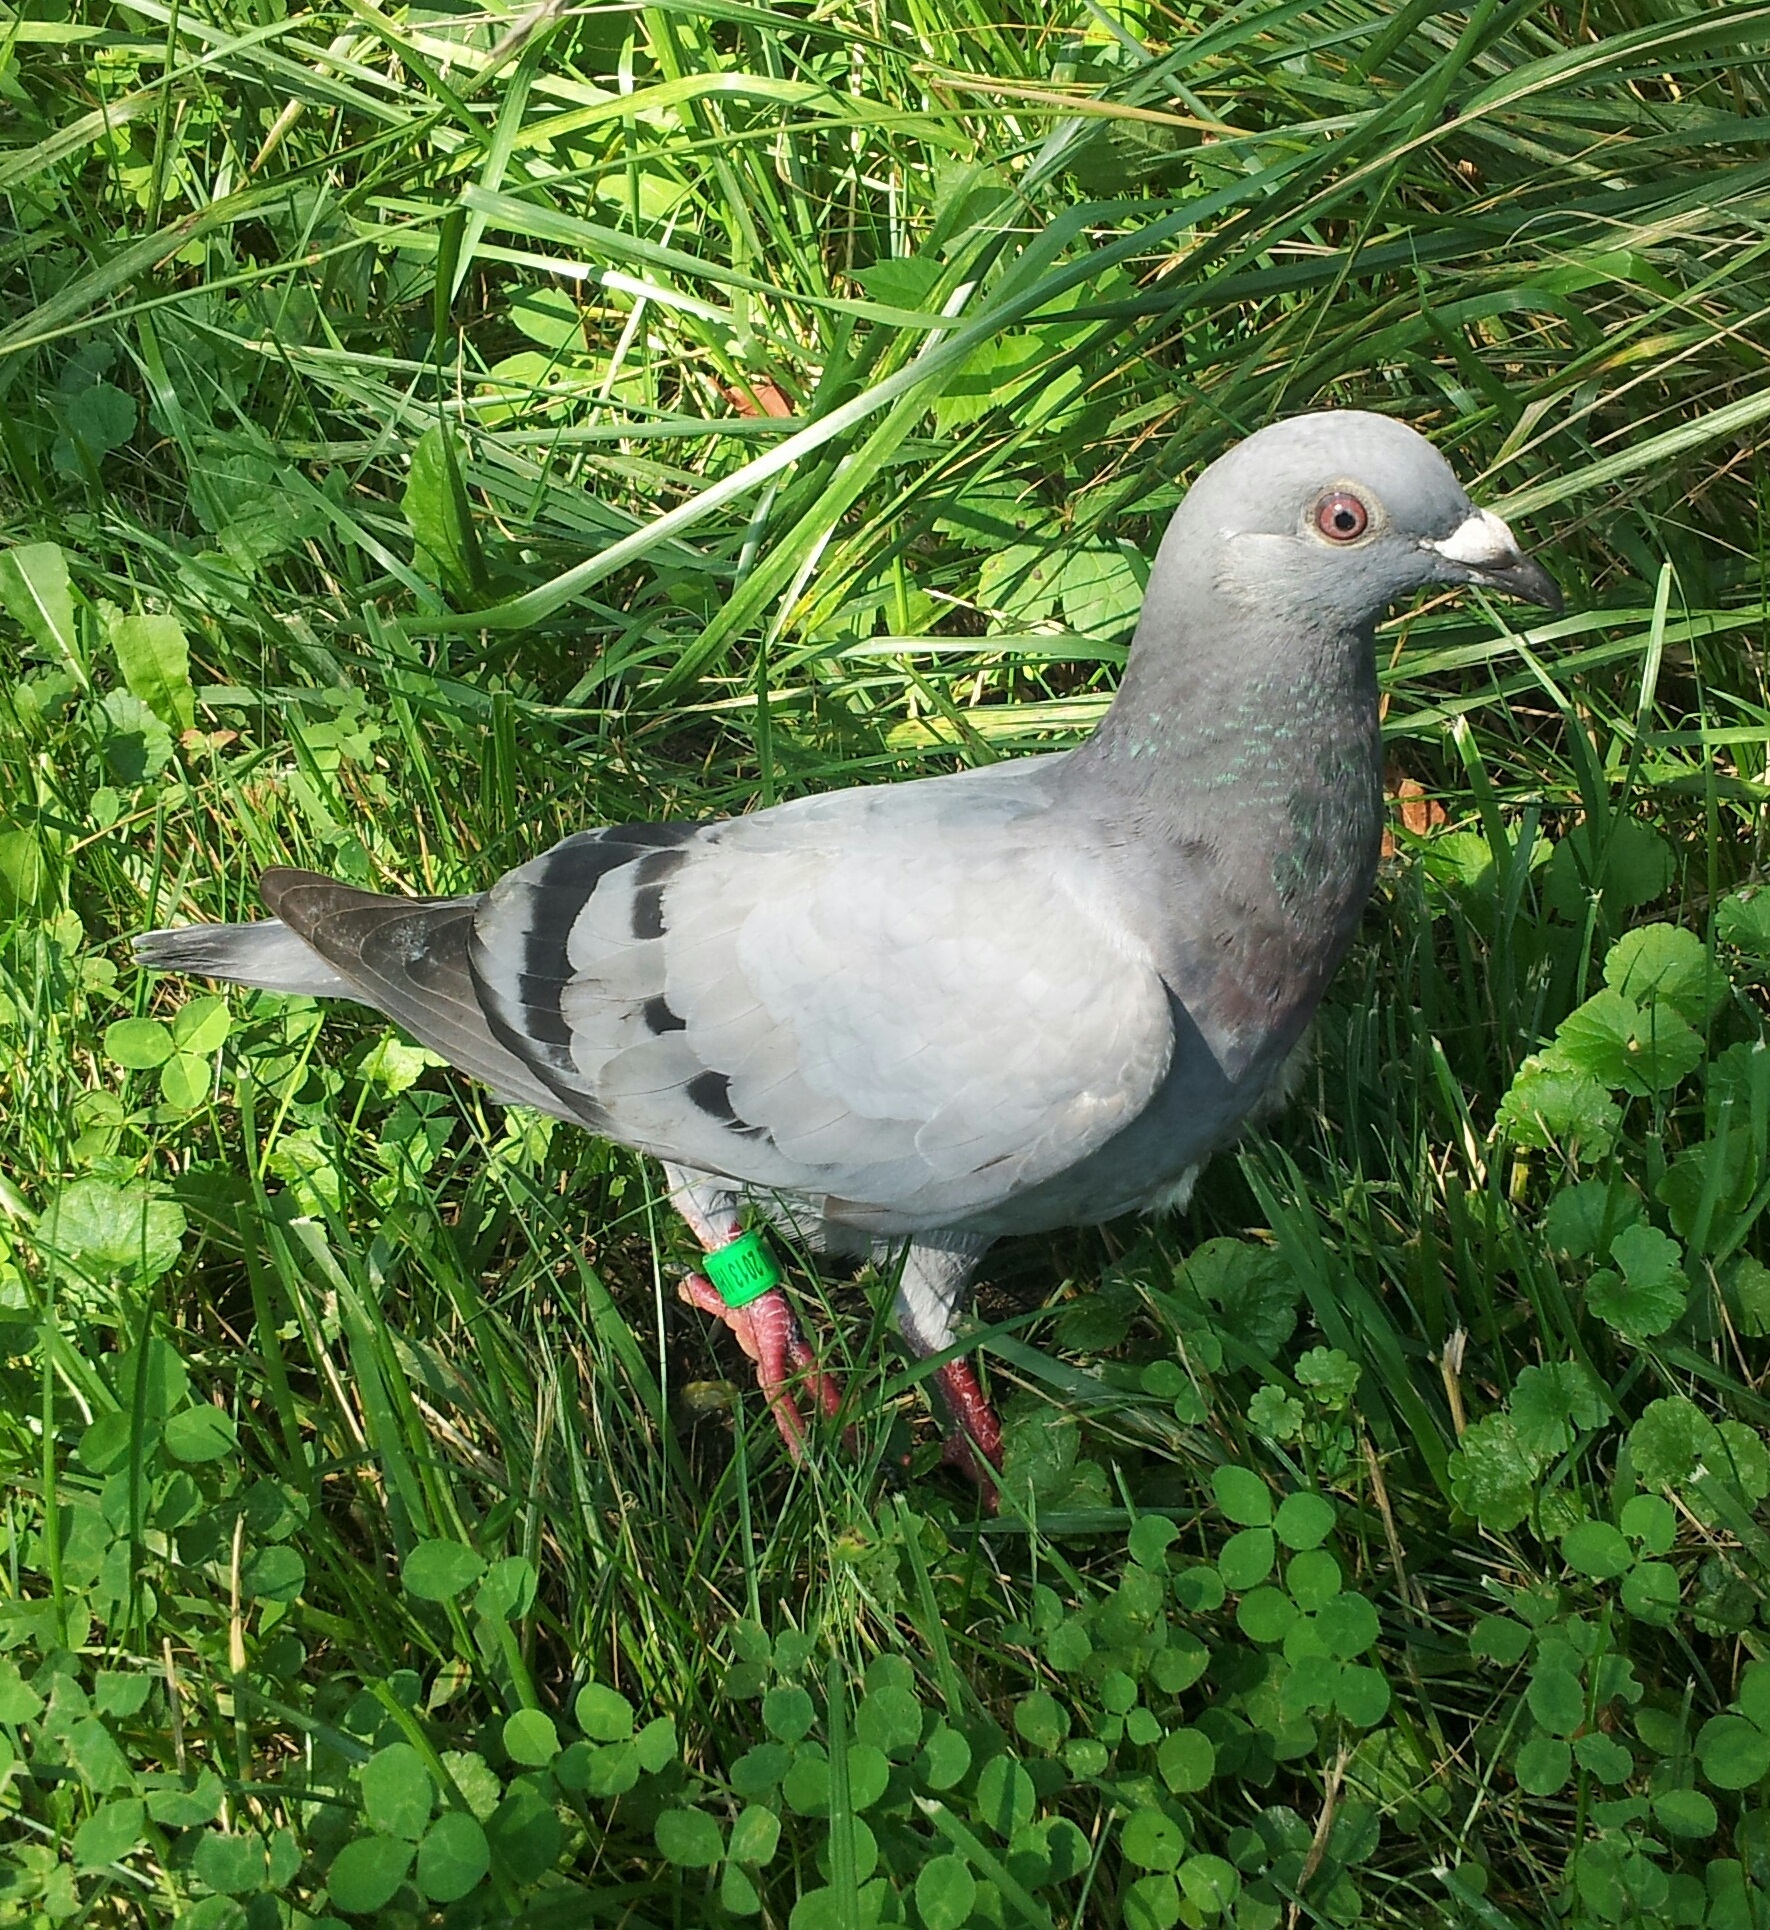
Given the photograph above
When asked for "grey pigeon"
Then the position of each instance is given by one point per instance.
(1034, 995)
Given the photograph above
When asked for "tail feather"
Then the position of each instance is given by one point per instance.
(266, 954)
(403, 957)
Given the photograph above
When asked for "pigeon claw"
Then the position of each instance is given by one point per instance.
(768, 1331)
(974, 1440)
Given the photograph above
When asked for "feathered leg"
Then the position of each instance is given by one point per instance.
(931, 1292)
(766, 1329)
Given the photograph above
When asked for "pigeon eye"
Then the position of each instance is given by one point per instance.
(1342, 518)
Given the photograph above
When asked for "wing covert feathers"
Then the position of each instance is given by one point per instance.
(912, 1013)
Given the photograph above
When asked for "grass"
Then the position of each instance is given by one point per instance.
(423, 433)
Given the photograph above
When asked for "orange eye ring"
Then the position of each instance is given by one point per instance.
(1341, 517)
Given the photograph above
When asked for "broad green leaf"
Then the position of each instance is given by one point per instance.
(1210, 1883)
(1712, 1181)
(1313, 1577)
(1732, 1752)
(1584, 1218)
(1665, 965)
(94, 1753)
(945, 1892)
(1150, 1540)
(1493, 1474)
(1543, 1765)
(1624, 1046)
(95, 420)
(903, 281)
(1181, 1663)
(1304, 1520)
(154, 657)
(1362, 1695)
(1497, 1638)
(689, 1838)
(1331, 1376)
(545, 315)
(1152, 1840)
(1101, 592)
(508, 1590)
(1744, 921)
(944, 1758)
(755, 1836)
(656, 1745)
(453, 1857)
(1551, 1404)
(1686, 1813)
(24, 867)
(1265, 1615)
(1245, 1559)
(201, 1433)
(1631, 864)
(1597, 1549)
(109, 1833)
(274, 1574)
(604, 1714)
(1006, 1798)
(1018, 585)
(1347, 1625)
(531, 1737)
(1649, 1294)
(890, 1718)
(869, 1775)
(35, 592)
(186, 1081)
(1744, 1458)
(397, 1791)
(524, 1833)
(1242, 1495)
(1042, 1721)
(787, 1713)
(1603, 1757)
(114, 1230)
(1252, 1293)
(188, 1808)
(202, 1025)
(1671, 1441)
(136, 745)
(1549, 1107)
(1151, 1903)
(430, 506)
(1275, 1415)
(19, 1702)
(1754, 1694)
(232, 1864)
(1650, 1521)
(439, 1571)
(138, 1044)
(1186, 1760)
(365, 1874)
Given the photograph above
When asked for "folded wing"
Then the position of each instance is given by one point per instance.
(913, 1001)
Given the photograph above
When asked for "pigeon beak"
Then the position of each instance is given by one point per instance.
(1488, 552)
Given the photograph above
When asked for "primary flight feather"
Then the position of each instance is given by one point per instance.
(939, 1012)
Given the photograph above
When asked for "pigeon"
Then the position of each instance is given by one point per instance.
(907, 1020)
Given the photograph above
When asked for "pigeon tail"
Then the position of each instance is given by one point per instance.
(267, 955)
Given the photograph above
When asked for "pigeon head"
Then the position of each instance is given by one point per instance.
(1338, 515)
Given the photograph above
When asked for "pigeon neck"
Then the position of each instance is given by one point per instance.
(1211, 714)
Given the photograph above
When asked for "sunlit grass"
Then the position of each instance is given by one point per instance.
(543, 420)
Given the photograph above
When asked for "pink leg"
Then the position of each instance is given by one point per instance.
(769, 1333)
(974, 1441)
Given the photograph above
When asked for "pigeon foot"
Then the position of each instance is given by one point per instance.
(768, 1331)
(974, 1440)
